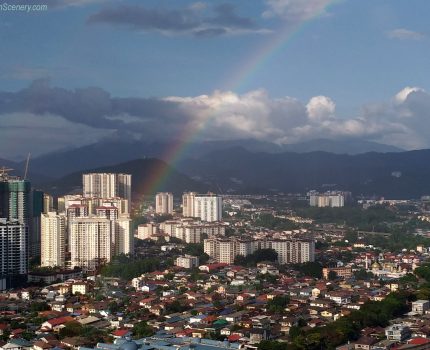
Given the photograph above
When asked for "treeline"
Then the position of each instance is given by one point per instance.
(309, 269)
(256, 257)
(372, 314)
(127, 268)
(196, 249)
(274, 223)
(376, 218)
(398, 240)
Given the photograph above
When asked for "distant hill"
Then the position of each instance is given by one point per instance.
(142, 171)
(19, 170)
(111, 152)
(350, 146)
(392, 175)
(7, 163)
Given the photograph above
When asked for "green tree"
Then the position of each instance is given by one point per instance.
(142, 330)
(332, 275)
(71, 329)
(312, 269)
(278, 304)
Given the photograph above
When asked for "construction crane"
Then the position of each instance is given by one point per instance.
(4, 171)
(26, 166)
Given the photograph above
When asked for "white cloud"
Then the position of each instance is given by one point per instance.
(403, 94)
(405, 34)
(320, 108)
(227, 115)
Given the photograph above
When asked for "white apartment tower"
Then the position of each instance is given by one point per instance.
(164, 203)
(188, 204)
(289, 251)
(107, 185)
(53, 239)
(333, 199)
(208, 207)
(124, 240)
(91, 242)
(187, 261)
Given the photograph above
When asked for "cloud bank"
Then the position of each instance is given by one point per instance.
(44, 118)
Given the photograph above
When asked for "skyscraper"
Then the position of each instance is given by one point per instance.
(188, 204)
(208, 207)
(164, 203)
(91, 242)
(13, 253)
(53, 239)
(14, 198)
(107, 185)
(37, 208)
(15, 218)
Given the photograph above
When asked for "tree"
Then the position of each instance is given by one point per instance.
(142, 330)
(364, 275)
(274, 223)
(278, 304)
(310, 268)
(294, 332)
(113, 307)
(37, 306)
(423, 272)
(71, 329)
(332, 275)
(257, 256)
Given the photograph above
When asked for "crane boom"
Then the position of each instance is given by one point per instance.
(26, 166)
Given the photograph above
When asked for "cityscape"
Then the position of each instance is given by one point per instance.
(214, 175)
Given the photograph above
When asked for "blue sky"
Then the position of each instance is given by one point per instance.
(356, 54)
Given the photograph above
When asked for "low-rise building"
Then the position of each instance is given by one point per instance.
(187, 261)
(397, 332)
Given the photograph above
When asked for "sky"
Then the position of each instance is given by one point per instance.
(285, 71)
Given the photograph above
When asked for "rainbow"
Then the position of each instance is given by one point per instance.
(187, 135)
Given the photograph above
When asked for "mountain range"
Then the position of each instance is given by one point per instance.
(244, 166)
(114, 151)
(392, 175)
(144, 181)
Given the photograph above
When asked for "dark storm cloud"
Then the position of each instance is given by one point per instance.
(225, 16)
(176, 21)
(92, 106)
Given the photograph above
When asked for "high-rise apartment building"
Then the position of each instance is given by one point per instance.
(333, 199)
(146, 231)
(91, 242)
(36, 209)
(164, 203)
(15, 222)
(188, 204)
(106, 221)
(13, 253)
(14, 198)
(107, 185)
(124, 239)
(289, 251)
(207, 207)
(53, 239)
(187, 261)
(48, 203)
